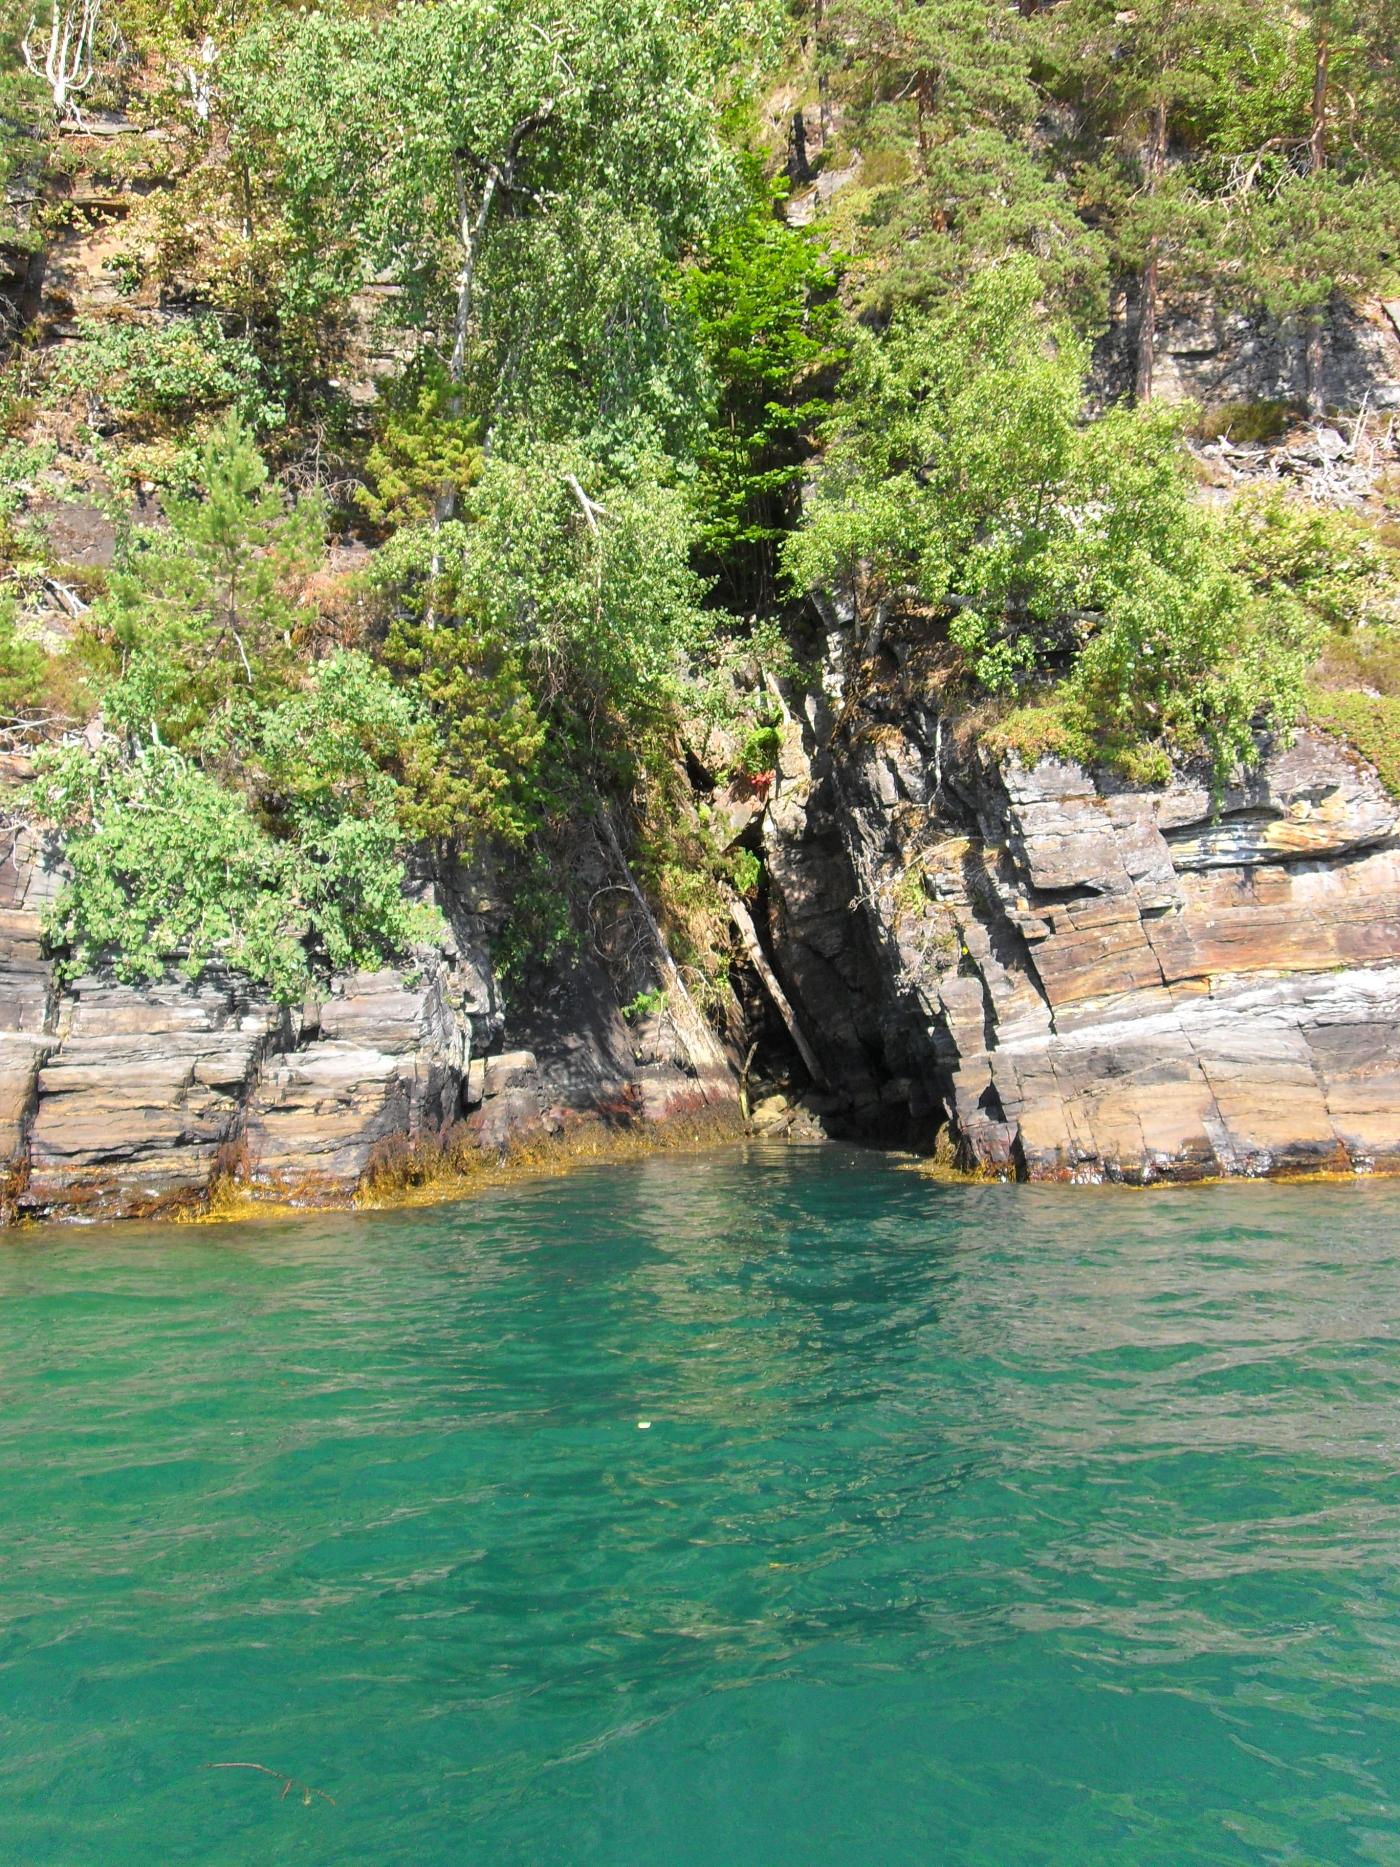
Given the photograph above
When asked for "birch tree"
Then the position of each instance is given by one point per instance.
(486, 157)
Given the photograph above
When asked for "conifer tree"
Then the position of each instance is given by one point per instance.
(204, 609)
(1141, 77)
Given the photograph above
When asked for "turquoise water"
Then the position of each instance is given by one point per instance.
(972, 1524)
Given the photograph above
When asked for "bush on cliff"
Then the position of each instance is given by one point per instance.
(292, 860)
(961, 476)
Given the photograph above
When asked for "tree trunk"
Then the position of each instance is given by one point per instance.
(1313, 348)
(799, 168)
(748, 933)
(1317, 140)
(1153, 164)
(823, 79)
(1314, 361)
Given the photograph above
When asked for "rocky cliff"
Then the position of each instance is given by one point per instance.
(1064, 976)
(119, 1099)
(1084, 980)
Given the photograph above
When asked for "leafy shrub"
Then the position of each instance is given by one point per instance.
(745, 870)
(206, 607)
(759, 752)
(23, 670)
(421, 449)
(19, 467)
(165, 864)
(762, 300)
(961, 476)
(1326, 567)
(301, 867)
(166, 373)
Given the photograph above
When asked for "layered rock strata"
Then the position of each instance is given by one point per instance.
(120, 1099)
(1085, 980)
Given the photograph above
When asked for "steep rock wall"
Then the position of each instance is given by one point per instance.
(119, 1099)
(1084, 980)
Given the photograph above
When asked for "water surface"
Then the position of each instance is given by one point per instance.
(743, 1510)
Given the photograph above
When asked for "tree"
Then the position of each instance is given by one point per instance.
(285, 860)
(1141, 76)
(763, 303)
(64, 57)
(205, 608)
(948, 87)
(494, 158)
(1320, 201)
(960, 482)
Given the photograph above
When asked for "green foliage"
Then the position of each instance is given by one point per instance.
(19, 467)
(645, 1005)
(479, 769)
(295, 864)
(765, 315)
(165, 862)
(165, 375)
(206, 607)
(240, 807)
(587, 574)
(745, 870)
(543, 630)
(1056, 724)
(422, 448)
(528, 175)
(1312, 236)
(961, 477)
(23, 670)
(1327, 569)
(1369, 722)
(759, 752)
(946, 89)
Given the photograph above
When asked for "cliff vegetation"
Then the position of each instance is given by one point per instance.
(438, 433)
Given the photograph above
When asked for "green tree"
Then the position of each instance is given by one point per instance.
(518, 169)
(275, 849)
(960, 478)
(547, 629)
(1143, 77)
(206, 607)
(1319, 202)
(766, 317)
(947, 88)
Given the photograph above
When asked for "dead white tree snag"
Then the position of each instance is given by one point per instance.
(65, 60)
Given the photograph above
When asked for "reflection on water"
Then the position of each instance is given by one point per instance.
(975, 1524)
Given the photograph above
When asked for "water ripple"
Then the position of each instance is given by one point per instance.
(968, 1524)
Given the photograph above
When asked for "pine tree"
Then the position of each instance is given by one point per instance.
(205, 608)
(947, 86)
(1164, 70)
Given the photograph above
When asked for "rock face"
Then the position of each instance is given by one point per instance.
(141, 1092)
(121, 1099)
(1086, 980)
(382, 1058)
(1211, 354)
